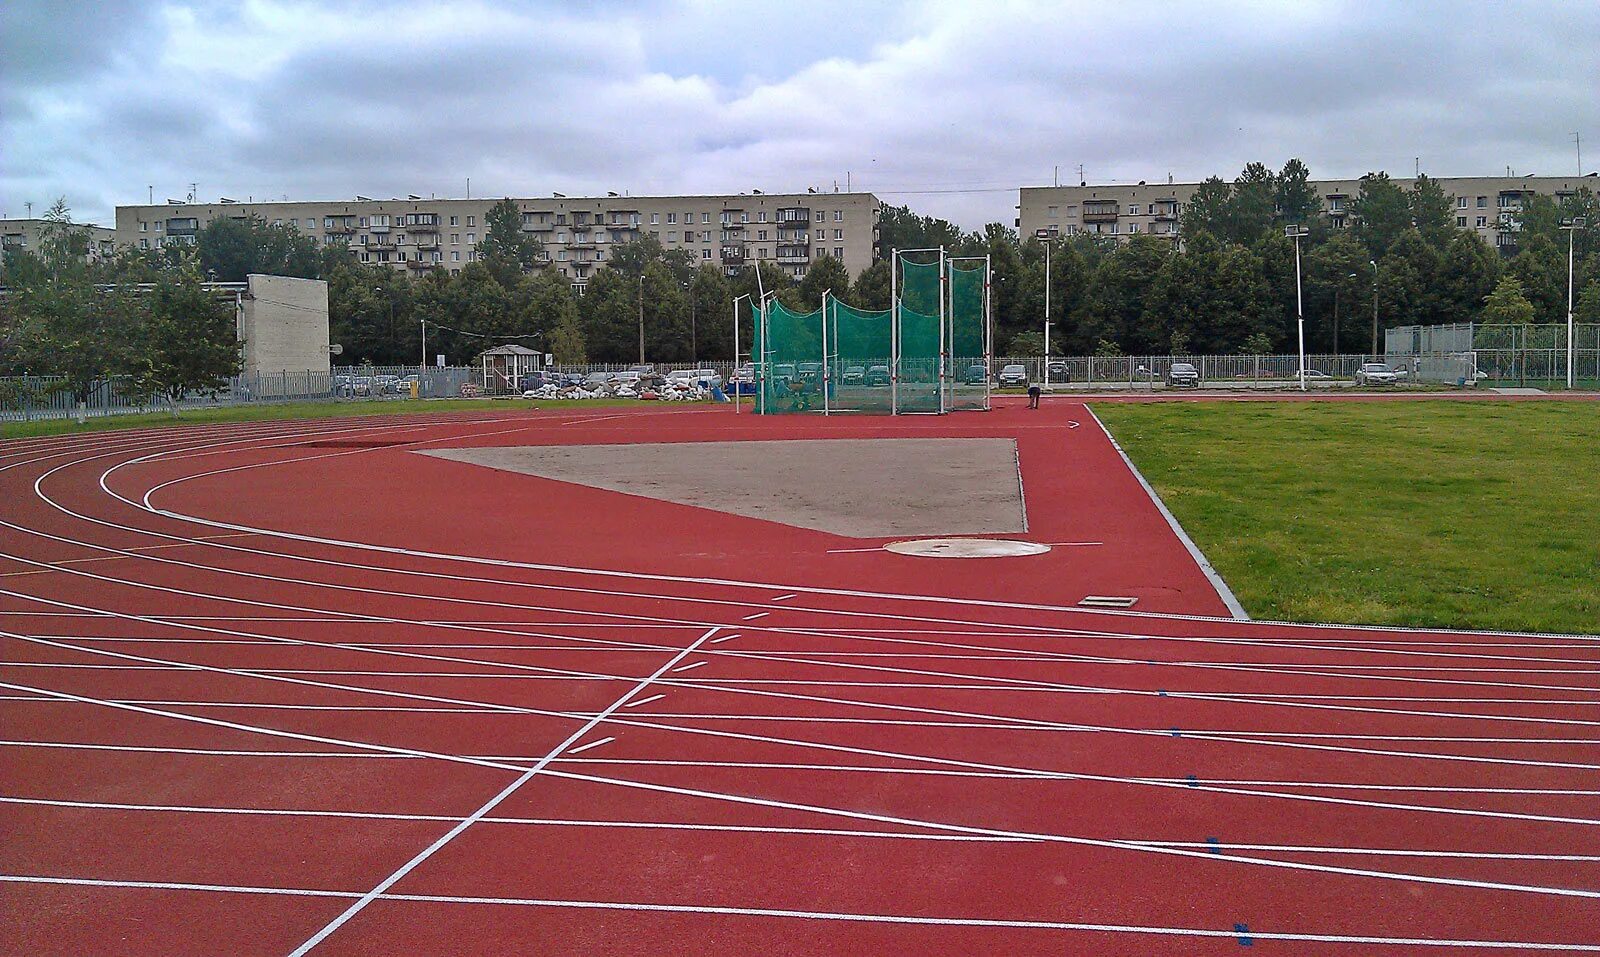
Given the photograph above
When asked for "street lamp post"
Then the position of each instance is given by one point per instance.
(1296, 233)
(1047, 246)
(1374, 263)
(1571, 226)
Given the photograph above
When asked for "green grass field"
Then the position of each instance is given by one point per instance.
(289, 410)
(1476, 514)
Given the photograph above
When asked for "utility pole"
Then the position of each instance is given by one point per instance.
(641, 318)
(1047, 245)
(1571, 226)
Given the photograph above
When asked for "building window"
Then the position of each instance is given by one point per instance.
(471, 237)
(561, 255)
(838, 234)
(1461, 203)
(1133, 227)
(705, 254)
(838, 253)
(1133, 209)
(455, 255)
(761, 217)
(144, 243)
(1055, 212)
(761, 235)
(455, 239)
(1461, 220)
(672, 237)
(822, 217)
(1483, 202)
(672, 218)
(599, 254)
(1483, 221)
(655, 219)
(455, 220)
(1114, 228)
(838, 215)
(472, 221)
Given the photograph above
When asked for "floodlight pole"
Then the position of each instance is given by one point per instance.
(1295, 232)
(1571, 226)
(736, 353)
(988, 332)
(1046, 314)
(1374, 263)
(944, 292)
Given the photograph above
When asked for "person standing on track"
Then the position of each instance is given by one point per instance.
(1033, 394)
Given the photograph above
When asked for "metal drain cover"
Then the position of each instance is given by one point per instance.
(966, 548)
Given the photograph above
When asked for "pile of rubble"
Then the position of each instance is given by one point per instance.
(661, 389)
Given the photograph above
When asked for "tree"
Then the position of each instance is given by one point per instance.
(1382, 212)
(505, 250)
(1297, 200)
(545, 304)
(231, 249)
(1541, 267)
(827, 273)
(1209, 210)
(900, 228)
(1030, 343)
(1115, 301)
(711, 298)
(1432, 212)
(1251, 213)
(187, 342)
(1466, 276)
(1507, 305)
(1338, 277)
(872, 287)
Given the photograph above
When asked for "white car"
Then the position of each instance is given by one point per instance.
(1377, 373)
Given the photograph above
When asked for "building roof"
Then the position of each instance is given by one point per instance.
(509, 350)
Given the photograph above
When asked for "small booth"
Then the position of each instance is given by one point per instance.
(503, 368)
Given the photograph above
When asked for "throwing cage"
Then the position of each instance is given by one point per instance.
(929, 352)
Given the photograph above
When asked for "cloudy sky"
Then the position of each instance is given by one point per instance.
(946, 106)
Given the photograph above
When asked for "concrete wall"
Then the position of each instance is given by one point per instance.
(283, 324)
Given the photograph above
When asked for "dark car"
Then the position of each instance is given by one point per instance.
(1059, 370)
(878, 375)
(1013, 376)
(1183, 375)
(974, 375)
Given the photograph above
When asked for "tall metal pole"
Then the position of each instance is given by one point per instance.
(1374, 309)
(1299, 303)
(944, 291)
(736, 385)
(641, 318)
(822, 374)
(1571, 226)
(894, 332)
(988, 331)
(1046, 315)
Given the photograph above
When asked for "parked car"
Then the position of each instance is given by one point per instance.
(1378, 373)
(384, 384)
(810, 373)
(344, 385)
(704, 378)
(1183, 375)
(877, 375)
(854, 375)
(361, 385)
(643, 369)
(1060, 370)
(974, 374)
(630, 378)
(402, 386)
(596, 379)
(1013, 376)
(783, 374)
(1314, 374)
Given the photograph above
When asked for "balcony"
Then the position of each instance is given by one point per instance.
(733, 254)
(794, 214)
(379, 229)
(1165, 214)
(380, 242)
(794, 254)
(532, 227)
(420, 264)
(427, 243)
(1099, 214)
(432, 226)
(733, 225)
(581, 242)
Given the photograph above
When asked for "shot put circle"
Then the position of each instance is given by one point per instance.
(966, 548)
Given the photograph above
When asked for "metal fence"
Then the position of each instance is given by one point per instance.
(1533, 356)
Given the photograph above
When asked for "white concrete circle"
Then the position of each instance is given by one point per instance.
(965, 548)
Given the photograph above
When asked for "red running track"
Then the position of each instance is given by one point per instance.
(288, 688)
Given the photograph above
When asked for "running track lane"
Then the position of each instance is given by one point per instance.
(269, 727)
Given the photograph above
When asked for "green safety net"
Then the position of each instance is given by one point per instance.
(967, 383)
(788, 356)
(844, 359)
(860, 357)
(920, 292)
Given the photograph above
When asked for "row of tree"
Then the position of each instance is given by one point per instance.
(146, 322)
(1230, 286)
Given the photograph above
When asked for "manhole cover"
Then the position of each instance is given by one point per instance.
(966, 548)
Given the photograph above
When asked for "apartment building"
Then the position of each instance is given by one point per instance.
(790, 230)
(1486, 204)
(21, 234)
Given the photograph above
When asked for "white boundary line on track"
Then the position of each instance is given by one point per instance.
(1223, 591)
(852, 917)
(578, 570)
(494, 802)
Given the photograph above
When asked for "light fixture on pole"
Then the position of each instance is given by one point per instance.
(1571, 226)
(1295, 233)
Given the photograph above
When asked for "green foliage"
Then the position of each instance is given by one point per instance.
(505, 250)
(186, 343)
(231, 249)
(900, 228)
(1382, 212)
(1030, 343)
(1432, 212)
(872, 287)
(826, 273)
(1507, 305)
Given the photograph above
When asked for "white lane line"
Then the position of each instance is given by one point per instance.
(491, 804)
(718, 641)
(690, 667)
(591, 744)
(774, 829)
(843, 551)
(759, 614)
(785, 597)
(843, 916)
(635, 704)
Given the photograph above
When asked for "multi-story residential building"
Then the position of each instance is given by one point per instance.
(790, 230)
(1486, 204)
(20, 234)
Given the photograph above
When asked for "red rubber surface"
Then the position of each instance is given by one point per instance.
(280, 692)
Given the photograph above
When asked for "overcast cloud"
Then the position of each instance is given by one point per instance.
(946, 106)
